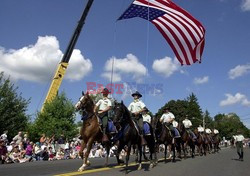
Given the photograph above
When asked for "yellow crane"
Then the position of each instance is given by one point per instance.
(61, 69)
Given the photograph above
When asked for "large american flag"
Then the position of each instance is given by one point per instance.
(184, 33)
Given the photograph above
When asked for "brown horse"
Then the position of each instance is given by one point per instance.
(186, 139)
(200, 142)
(90, 131)
(216, 142)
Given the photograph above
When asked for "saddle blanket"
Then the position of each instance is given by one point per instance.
(111, 127)
(146, 128)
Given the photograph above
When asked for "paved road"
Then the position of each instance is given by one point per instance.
(224, 163)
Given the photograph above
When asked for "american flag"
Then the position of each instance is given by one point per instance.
(184, 34)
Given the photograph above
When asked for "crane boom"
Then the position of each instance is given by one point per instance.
(61, 69)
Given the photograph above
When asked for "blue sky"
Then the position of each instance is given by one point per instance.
(35, 34)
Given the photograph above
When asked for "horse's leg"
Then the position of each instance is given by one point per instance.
(140, 156)
(86, 155)
(128, 155)
(120, 147)
(173, 150)
(184, 150)
(165, 152)
(107, 148)
(144, 153)
(83, 145)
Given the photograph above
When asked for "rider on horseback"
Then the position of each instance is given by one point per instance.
(167, 118)
(187, 124)
(136, 108)
(103, 106)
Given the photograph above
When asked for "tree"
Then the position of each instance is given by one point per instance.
(58, 117)
(13, 108)
(229, 124)
(194, 110)
(209, 122)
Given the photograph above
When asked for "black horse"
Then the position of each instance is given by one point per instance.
(128, 134)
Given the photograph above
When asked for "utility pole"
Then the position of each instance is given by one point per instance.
(203, 120)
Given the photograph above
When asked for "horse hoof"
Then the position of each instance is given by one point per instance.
(88, 163)
(139, 167)
(81, 169)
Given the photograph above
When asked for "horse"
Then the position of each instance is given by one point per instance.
(216, 142)
(186, 139)
(200, 142)
(208, 143)
(128, 133)
(91, 131)
(150, 142)
(163, 136)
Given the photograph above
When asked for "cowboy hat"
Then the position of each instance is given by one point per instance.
(105, 91)
(136, 93)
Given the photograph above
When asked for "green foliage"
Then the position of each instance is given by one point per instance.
(194, 110)
(181, 108)
(58, 117)
(12, 108)
(229, 124)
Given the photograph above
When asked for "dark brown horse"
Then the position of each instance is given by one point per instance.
(200, 142)
(128, 133)
(163, 136)
(186, 140)
(90, 131)
(216, 142)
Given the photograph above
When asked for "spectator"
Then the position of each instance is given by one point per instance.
(4, 136)
(3, 152)
(51, 154)
(29, 151)
(60, 154)
(45, 154)
(18, 138)
(11, 146)
(42, 139)
(37, 151)
(61, 139)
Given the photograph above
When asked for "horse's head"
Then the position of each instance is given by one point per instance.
(85, 103)
(121, 112)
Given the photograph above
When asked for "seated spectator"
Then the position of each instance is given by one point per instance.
(45, 154)
(37, 151)
(11, 146)
(51, 154)
(29, 151)
(3, 152)
(60, 154)
(42, 139)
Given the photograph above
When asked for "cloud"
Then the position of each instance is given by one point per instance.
(203, 80)
(38, 62)
(245, 5)
(166, 66)
(129, 65)
(238, 71)
(238, 98)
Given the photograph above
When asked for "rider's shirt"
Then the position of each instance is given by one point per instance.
(136, 106)
(208, 131)
(200, 129)
(175, 124)
(103, 103)
(216, 131)
(187, 123)
(146, 118)
(167, 117)
(239, 138)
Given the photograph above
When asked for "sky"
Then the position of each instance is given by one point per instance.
(34, 35)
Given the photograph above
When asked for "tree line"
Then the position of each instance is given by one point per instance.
(59, 116)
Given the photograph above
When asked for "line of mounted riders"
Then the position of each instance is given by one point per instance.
(127, 129)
